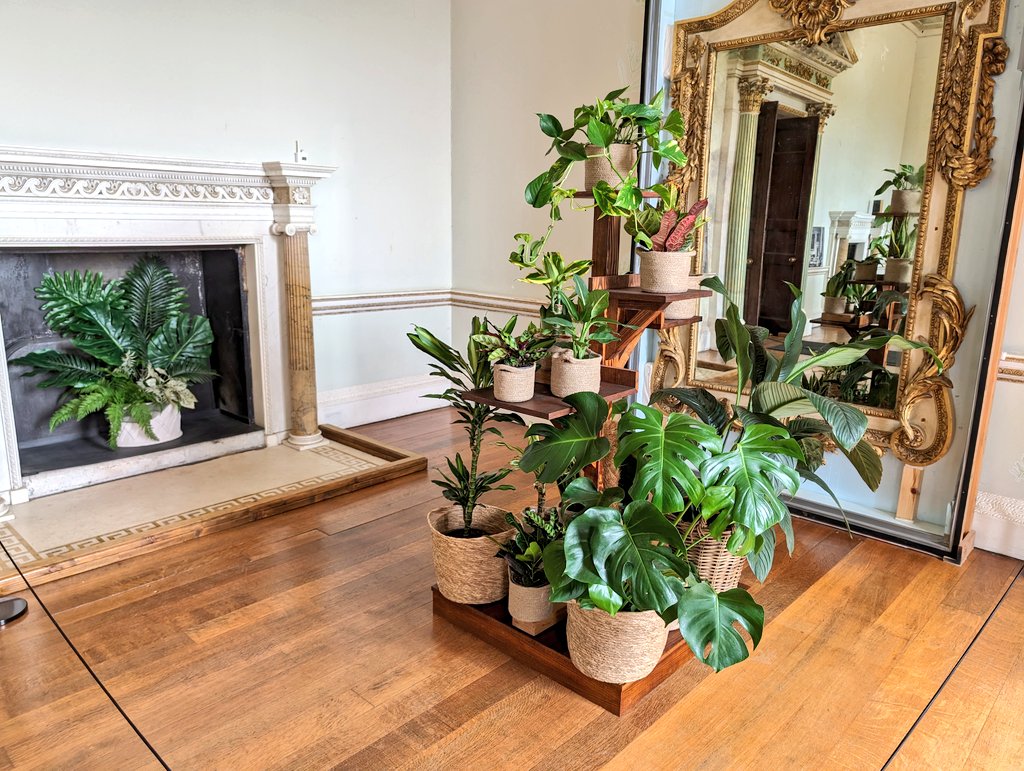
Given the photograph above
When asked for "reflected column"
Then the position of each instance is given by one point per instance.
(752, 93)
(822, 111)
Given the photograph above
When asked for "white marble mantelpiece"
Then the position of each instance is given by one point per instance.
(61, 199)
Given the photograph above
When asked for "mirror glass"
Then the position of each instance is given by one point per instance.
(815, 168)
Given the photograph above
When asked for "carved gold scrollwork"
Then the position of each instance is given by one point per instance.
(923, 438)
(686, 95)
(672, 349)
(816, 19)
(965, 151)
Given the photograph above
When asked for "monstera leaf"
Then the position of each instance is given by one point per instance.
(632, 553)
(181, 341)
(101, 332)
(667, 453)
(756, 469)
(706, 623)
(570, 443)
(581, 494)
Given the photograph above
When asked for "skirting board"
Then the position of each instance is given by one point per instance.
(999, 524)
(369, 403)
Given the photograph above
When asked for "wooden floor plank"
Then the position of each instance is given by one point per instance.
(307, 641)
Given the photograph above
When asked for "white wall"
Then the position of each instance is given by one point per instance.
(508, 63)
(365, 85)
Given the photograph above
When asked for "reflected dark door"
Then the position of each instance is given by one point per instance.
(779, 218)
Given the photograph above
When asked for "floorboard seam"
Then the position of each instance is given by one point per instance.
(956, 666)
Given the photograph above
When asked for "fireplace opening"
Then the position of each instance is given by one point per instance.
(212, 278)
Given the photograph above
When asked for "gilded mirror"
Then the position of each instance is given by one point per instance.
(835, 142)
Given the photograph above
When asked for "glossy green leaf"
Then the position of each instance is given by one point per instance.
(570, 443)
(706, 623)
(704, 404)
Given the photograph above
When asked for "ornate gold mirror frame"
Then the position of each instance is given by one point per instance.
(920, 430)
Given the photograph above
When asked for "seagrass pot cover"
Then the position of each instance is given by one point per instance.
(899, 271)
(467, 570)
(906, 201)
(715, 564)
(667, 272)
(865, 271)
(615, 649)
(531, 604)
(598, 169)
(835, 305)
(514, 384)
(570, 375)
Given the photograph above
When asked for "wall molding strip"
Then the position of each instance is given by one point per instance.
(376, 302)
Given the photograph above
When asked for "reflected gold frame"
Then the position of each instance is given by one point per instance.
(919, 430)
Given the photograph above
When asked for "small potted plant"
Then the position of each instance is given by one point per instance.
(136, 351)
(836, 287)
(514, 358)
(529, 593)
(867, 269)
(906, 183)
(897, 247)
(463, 533)
(578, 368)
(609, 137)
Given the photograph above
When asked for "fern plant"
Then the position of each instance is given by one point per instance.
(136, 346)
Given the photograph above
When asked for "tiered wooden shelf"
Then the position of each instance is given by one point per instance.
(615, 384)
(548, 653)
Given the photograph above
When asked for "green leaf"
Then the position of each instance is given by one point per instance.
(538, 192)
(63, 296)
(794, 342)
(756, 468)
(701, 401)
(706, 623)
(761, 558)
(69, 370)
(550, 125)
(848, 423)
(152, 295)
(629, 197)
(866, 461)
(674, 124)
(181, 339)
(581, 493)
(667, 452)
(673, 152)
(780, 400)
(600, 133)
(604, 598)
(570, 443)
(572, 151)
(613, 95)
(100, 331)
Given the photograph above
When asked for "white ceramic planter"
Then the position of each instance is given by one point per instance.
(166, 424)
(570, 375)
(514, 384)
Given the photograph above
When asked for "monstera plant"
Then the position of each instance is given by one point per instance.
(134, 348)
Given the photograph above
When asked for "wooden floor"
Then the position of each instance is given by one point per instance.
(306, 641)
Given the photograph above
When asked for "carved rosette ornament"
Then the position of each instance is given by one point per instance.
(752, 93)
(816, 19)
(822, 111)
(926, 410)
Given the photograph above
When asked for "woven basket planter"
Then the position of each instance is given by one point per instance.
(166, 425)
(615, 649)
(899, 271)
(466, 568)
(598, 169)
(531, 608)
(514, 384)
(906, 201)
(865, 271)
(667, 272)
(835, 305)
(570, 375)
(715, 564)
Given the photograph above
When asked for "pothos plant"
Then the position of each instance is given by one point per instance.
(503, 346)
(612, 120)
(136, 348)
(465, 483)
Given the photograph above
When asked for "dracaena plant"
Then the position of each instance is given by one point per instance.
(136, 348)
(582, 318)
(609, 121)
(465, 483)
(503, 346)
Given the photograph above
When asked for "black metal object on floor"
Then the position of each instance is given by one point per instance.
(12, 609)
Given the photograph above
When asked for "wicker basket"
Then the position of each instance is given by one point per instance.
(514, 384)
(467, 570)
(865, 271)
(615, 649)
(530, 603)
(835, 305)
(715, 564)
(899, 271)
(667, 272)
(570, 375)
(598, 169)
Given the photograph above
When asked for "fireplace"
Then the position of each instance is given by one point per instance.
(235, 233)
(212, 280)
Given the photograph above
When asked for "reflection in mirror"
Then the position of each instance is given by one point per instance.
(816, 163)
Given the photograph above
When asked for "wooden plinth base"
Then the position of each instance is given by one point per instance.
(548, 653)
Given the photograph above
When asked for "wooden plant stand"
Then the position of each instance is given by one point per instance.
(548, 653)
